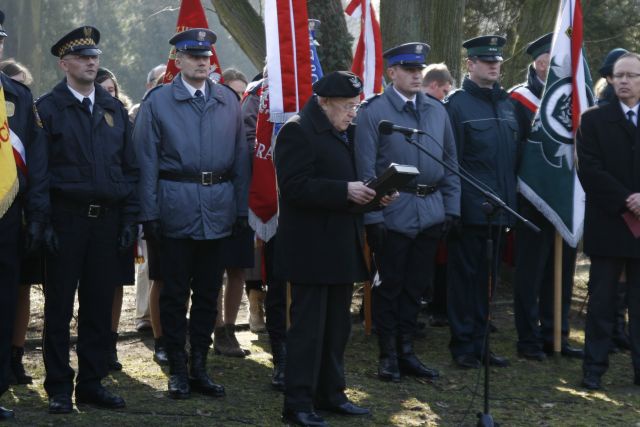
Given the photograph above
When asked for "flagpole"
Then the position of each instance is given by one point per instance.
(557, 290)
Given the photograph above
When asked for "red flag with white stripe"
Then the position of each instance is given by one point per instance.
(367, 61)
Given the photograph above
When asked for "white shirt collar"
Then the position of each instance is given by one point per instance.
(192, 90)
(404, 98)
(80, 97)
(625, 108)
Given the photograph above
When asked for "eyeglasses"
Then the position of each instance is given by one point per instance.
(630, 76)
(350, 108)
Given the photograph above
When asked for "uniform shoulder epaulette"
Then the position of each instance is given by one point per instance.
(368, 100)
(516, 87)
(146, 95)
(42, 98)
(451, 94)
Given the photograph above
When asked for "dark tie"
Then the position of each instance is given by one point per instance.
(410, 106)
(198, 98)
(86, 104)
(630, 115)
(198, 93)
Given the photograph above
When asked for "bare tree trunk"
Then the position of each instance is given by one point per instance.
(405, 23)
(446, 19)
(536, 18)
(334, 38)
(245, 26)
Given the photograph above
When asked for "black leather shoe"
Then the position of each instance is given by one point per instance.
(279, 351)
(178, 384)
(346, 408)
(591, 381)
(388, 369)
(467, 361)
(6, 414)
(301, 418)
(565, 351)
(99, 396)
(60, 404)
(535, 354)
(498, 361)
(199, 380)
(409, 363)
(160, 355)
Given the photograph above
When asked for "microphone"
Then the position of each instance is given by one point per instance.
(385, 127)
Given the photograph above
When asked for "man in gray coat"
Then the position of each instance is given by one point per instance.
(404, 236)
(194, 173)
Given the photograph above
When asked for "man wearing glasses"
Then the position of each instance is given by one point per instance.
(609, 170)
(404, 236)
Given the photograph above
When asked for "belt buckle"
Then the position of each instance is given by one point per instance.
(94, 211)
(421, 190)
(207, 178)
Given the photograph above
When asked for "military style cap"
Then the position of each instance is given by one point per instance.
(408, 54)
(486, 48)
(196, 42)
(81, 41)
(338, 84)
(540, 46)
(606, 69)
(3, 33)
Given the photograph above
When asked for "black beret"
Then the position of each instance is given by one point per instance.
(606, 69)
(486, 48)
(338, 84)
(81, 41)
(3, 33)
(196, 42)
(540, 46)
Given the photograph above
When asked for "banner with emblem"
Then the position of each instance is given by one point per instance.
(547, 175)
(367, 61)
(191, 16)
(9, 184)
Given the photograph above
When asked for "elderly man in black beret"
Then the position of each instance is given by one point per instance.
(319, 246)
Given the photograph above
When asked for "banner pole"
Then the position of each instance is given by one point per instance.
(557, 291)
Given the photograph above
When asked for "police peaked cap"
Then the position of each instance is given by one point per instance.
(408, 55)
(540, 46)
(338, 84)
(81, 41)
(196, 42)
(486, 48)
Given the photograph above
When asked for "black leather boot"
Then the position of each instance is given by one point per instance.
(409, 363)
(19, 375)
(198, 377)
(160, 355)
(388, 361)
(112, 358)
(279, 352)
(178, 377)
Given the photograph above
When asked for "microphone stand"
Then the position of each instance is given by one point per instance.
(492, 205)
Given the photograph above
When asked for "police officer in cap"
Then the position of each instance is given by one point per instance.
(90, 211)
(26, 176)
(533, 293)
(317, 185)
(487, 137)
(194, 173)
(404, 236)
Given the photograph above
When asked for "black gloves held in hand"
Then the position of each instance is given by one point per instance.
(241, 224)
(127, 236)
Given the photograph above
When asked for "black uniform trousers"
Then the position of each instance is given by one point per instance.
(275, 303)
(533, 292)
(87, 260)
(316, 340)
(468, 287)
(405, 266)
(601, 311)
(189, 265)
(10, 225)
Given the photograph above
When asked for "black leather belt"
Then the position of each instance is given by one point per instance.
(90, 209)
(204, 178)
(420, 190)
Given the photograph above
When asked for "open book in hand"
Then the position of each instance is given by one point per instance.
(392, 179)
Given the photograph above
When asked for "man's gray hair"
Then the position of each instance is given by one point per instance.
(155, 72)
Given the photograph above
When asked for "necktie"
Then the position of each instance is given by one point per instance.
(198, 98)
(86, 103)
(630, 115)
(410, 106)
(198, 93)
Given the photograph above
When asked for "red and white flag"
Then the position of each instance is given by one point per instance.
(192, 15)
(367, 61)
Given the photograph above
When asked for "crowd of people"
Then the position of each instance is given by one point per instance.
(111, 194)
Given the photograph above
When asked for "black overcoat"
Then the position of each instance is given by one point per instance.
(608, 147)
(319, 240)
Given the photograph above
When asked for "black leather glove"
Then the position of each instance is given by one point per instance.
(376, 236)
(241, 224)
(151, 230)
(51, 240)
(34, 236)
(451, 224)
(127, 236)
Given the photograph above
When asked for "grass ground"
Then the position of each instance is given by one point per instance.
(525, 394)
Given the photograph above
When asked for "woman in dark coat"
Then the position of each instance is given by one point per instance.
(319, 246)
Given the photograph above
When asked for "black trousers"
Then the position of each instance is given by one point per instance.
(601, 311)
(406, 269)
(438, 303)
(533, 292)
(87, 261)
(468, 287)
(10, 225)
(276, 300)
(189, 265)
(316, 340)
